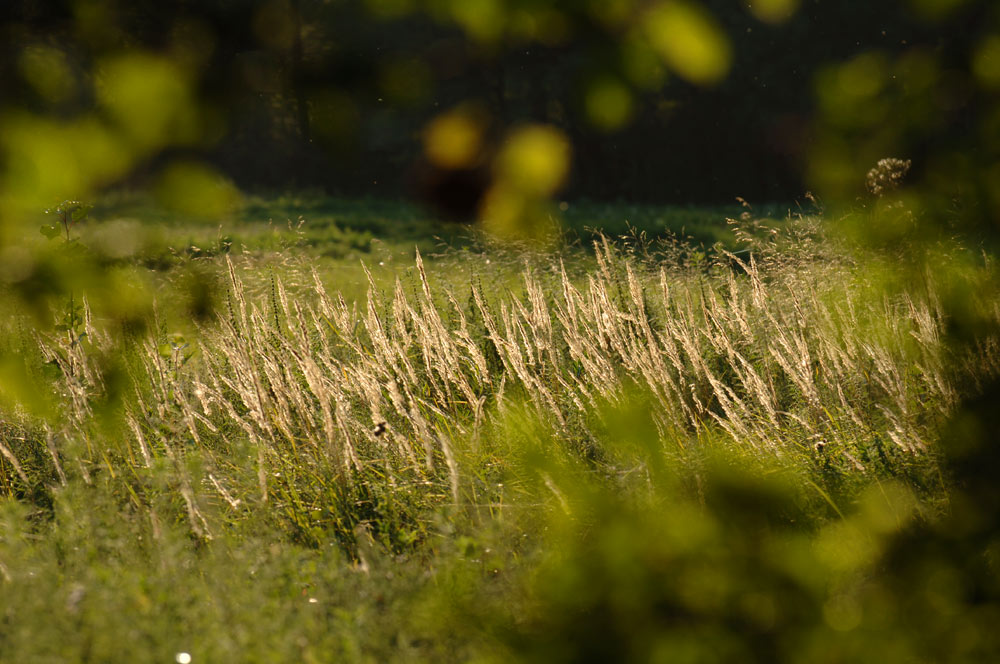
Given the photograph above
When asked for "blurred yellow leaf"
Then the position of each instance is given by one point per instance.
(887, 508)
(20, 390)
(842, 613)
(862, 77)
(773, 11)
(150, 98)
(454, 139)
(612, 12)
(986, 62)
(689, 41)
(642, 64)
(534, 160)
(936, 9)
(194, 189)
(50, 160)
(547, 26)
(503, 211)
(608, 103)
(41, 164)
(849, 93)
(482, 19)
(511, 214)
(832, 169)
(532, 164)
(843, 546)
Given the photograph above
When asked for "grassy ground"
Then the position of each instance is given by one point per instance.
(335, 227)
(335, 236)
(635, 451)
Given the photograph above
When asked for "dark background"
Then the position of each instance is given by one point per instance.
(330, 95)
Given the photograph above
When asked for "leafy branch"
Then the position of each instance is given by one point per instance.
(67, 214)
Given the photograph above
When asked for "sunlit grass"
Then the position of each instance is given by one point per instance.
(626, 449)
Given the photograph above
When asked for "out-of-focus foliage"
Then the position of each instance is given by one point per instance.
(195, 190)
(717, 466)
(774, 11)
(337, 94)
(454, 139)
(147, 94)
(769, 494)
(688, 41)
(531, 166)
(727, 565)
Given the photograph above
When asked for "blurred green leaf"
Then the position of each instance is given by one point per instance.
(49, 231)
(689, 40)
(774, 11)
(80, 212)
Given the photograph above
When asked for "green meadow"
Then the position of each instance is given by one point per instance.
(489, 331)
(339, 430)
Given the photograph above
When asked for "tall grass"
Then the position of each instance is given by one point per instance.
(363, 414)
(422, 418)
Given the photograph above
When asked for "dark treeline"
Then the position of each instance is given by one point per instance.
(313, 93)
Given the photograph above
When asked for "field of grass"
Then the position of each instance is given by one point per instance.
(346, 432)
